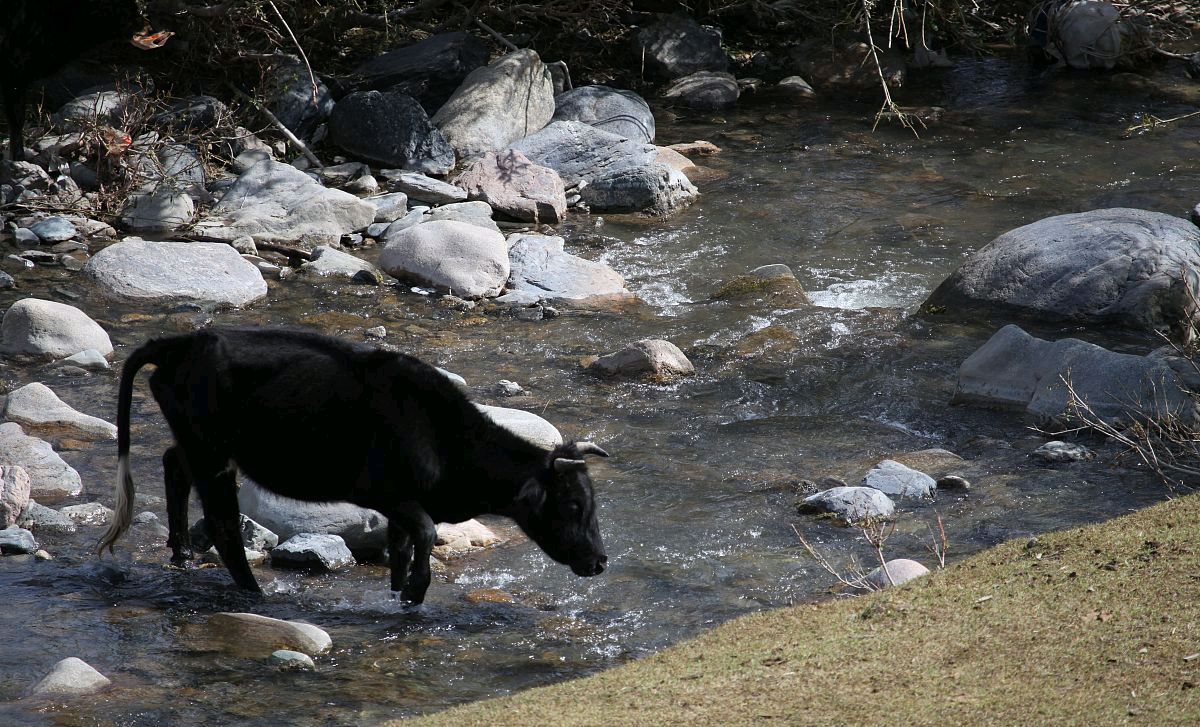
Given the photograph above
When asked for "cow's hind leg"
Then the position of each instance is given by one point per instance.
(178, 483)
(217, 487)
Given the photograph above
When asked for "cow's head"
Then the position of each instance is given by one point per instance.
(557, 509)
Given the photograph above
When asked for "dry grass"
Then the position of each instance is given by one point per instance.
(1099, 625)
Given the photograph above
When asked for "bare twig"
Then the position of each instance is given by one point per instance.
(295, 140)
(316, 92)
(492, 32)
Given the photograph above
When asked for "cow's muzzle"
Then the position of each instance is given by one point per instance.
(591, 567)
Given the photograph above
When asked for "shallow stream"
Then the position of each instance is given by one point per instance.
(697, 504)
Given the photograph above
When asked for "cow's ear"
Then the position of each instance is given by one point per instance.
(532, 494)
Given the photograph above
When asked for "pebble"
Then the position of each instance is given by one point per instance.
(953, 482)
(376, 332)
(54, 229)
(289, 660)
(504, 387)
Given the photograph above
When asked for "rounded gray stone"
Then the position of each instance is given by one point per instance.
(47, 329)
(852, 504)
(205, 272)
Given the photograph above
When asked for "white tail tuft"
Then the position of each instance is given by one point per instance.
(123, 513)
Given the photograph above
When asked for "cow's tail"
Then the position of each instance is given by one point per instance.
(151, 353)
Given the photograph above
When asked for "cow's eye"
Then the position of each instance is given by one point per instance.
(571, 508)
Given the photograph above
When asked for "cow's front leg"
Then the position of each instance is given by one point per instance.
(409, 525)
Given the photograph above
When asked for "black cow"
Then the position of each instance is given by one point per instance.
(320, 419)
(37, 37)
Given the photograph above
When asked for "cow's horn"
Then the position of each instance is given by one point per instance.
(589, 448)
(562, 464)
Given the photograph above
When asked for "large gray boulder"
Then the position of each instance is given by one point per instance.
(47, 329)
(274, 202)
(621, 175)
(516, 187)
(1120, 266)
(616, 111)
(203, 272)
(525, 424)
(390, 129)
(506, 100)
(539, 266)
(1014, 370)
(429, 70)
(360, 528)
(677, 46)
(50, 478)
(468, 260)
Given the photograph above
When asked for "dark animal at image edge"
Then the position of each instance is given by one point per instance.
(38, 37)
(320, 419)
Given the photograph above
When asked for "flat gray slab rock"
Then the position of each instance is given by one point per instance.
(203, 272)
(892, 478)
(43, 414)
(359, 528)
(508, 99)
(1110, 266)
(321, 551)
(71, 677)
(249, 632)
(616, 111)
(541, 267)
(47, 329)
(524, 424)
(50, 478)
(468, 260)
(1014, 370)
(389, 207)
(276, 202)
(420, 187)
(852, 504)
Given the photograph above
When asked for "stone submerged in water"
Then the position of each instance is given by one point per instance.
(1056, 451)
(654, 357)
(202, 272)
(42, 413)
(289, 660)
(249, 633)
(1120, 266)
(851, 505)
(71, 677)
(47, 329)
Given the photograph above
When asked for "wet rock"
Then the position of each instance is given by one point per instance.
(47, 329)
(292, 660)
(163, 210)
(16, 541)
(953, 483)
(42, 519)
(705, 90)
(321, 551)
(508, 99)
(506, 388)
(429, 71)
(893, 478)
(14, 494)
(677, 46)
(420, 187)
(616, 111)
(89, 359)
(203, 272)
(331, 262)
(934, 461)
(672, 159)
(1057, 451)
(457, 539)
(851, 504)
(516, 187)
(290, 90)
(472, 213)
(255, 537)
(49, 476)
(899, 572)
(250, 633)
(524, 424)
(359, 528)
(797, 87)
(621, 175)
(468, 260)
(53, 229)
(71, 677)
(391, 129)
(770, 285)
(389, 207)
(1014, 370)
(653, 357)
(43, 414)
(276, 202)
(26, 238)
(1109, 266)
(540, 267)
(88, 513)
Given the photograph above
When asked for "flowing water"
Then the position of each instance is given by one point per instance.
(697, 503)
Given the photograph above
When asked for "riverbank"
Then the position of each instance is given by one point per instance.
(1096, 625)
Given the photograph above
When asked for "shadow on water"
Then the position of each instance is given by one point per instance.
(698, 502)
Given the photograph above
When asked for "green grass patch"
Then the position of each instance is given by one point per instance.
(1096, 625)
